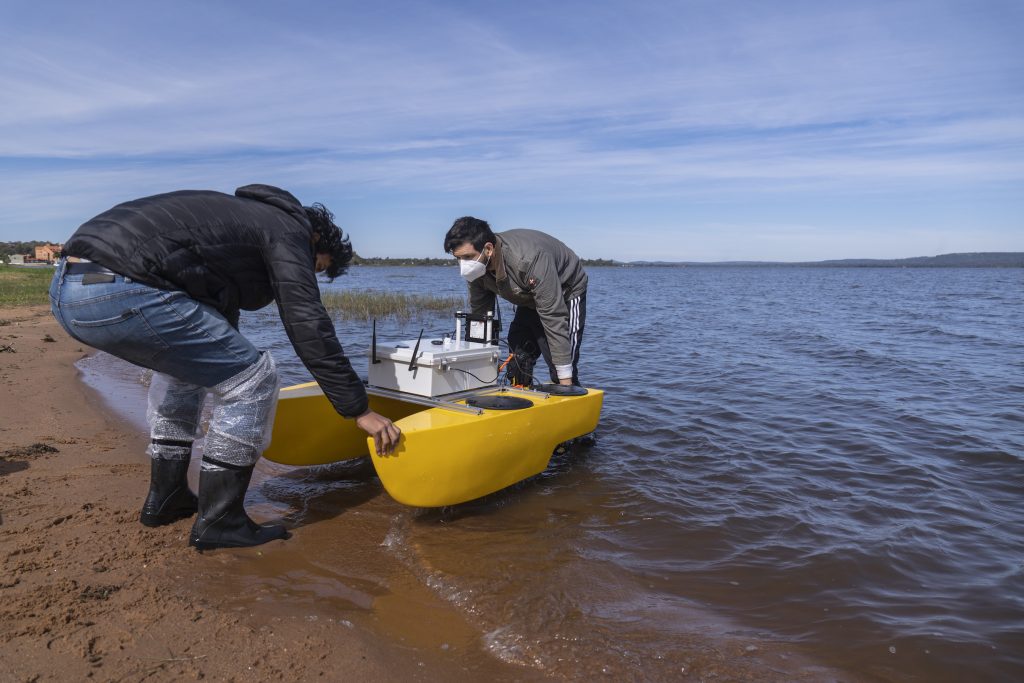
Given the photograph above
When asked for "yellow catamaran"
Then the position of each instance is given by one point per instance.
(463, 435)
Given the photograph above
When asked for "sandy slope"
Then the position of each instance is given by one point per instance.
(87, 592)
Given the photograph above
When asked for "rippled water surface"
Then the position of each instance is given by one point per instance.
(823, 466)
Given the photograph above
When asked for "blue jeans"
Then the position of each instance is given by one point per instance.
(166, 331)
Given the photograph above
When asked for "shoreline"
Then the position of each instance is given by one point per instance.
(87, 591)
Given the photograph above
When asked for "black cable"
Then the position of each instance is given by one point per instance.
(482, 381)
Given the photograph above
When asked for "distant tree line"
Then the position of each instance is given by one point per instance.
(358, 260)
(1004, 259)
(994, 259)
(8, 248)
(27, 248)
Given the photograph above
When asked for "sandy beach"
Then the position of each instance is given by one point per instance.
(88, 592)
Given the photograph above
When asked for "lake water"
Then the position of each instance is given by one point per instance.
(818, 470)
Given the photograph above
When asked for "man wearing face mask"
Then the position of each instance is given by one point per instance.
(542, 277)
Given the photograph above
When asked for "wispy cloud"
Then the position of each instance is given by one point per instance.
(593, 108)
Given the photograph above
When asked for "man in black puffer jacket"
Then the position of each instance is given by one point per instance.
(159, 282)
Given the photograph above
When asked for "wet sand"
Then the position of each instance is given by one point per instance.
(88, 592)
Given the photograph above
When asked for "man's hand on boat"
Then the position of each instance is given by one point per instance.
(384, 432)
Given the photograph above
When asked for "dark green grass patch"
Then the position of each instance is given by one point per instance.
(370, 304)
(24, 286)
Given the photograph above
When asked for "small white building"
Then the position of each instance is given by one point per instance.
(17, 259)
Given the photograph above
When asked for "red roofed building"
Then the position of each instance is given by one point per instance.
(48, 252)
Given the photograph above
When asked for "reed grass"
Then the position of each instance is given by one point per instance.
(21, 286)
(368, 304)
(24, 286)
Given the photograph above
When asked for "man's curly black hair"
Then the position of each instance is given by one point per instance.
(468, 229)
(332, 240)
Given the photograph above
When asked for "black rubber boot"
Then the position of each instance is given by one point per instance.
(222, 521)
(169, 498)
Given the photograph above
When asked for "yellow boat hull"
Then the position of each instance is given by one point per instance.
(444, 457)
(308, 431)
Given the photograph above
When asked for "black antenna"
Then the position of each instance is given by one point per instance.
(373, 343)
(415, 350)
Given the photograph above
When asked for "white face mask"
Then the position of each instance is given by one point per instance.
(472, 269)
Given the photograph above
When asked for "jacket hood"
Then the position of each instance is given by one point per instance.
(276, 197)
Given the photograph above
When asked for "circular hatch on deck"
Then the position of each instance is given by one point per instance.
(499, 402)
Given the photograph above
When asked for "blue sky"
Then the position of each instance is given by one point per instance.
(684, 130)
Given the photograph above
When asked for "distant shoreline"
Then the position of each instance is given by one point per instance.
(993, 259)
(1002, 259)
(988, 259)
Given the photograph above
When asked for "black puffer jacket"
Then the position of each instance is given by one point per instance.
(240, 252)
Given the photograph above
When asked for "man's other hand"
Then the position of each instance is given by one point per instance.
(567, 381)
(384, 432)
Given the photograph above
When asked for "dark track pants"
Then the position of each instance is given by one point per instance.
(527, 342)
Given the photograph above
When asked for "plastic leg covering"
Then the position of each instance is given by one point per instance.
(244, 414)
(173, 414)
(239, 431)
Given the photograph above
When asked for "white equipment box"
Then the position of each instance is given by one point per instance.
(439, 369)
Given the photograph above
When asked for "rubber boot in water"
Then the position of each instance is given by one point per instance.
(169, 498)
(222, 521)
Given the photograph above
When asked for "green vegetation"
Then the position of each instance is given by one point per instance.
(28, 286)
(8, 248)
(369, 304)
(24, 286)
(358, 260)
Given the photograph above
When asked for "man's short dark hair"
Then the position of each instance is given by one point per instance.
(468, 229)
(332, 240)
